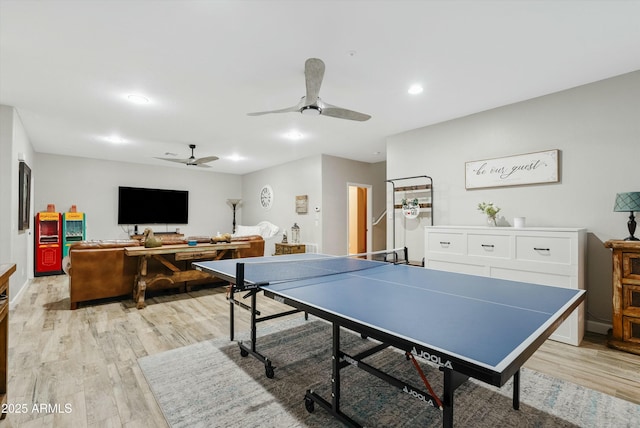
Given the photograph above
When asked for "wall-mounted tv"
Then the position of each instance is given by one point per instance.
(137, 205)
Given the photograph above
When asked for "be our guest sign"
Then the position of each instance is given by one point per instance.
(530, 168)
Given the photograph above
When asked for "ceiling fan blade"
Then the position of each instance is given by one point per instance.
(204, 160)
(343, 113)
(201, 165)
(175, 160)
(313, 73)
(284, 110)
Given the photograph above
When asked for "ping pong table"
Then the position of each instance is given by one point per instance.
(468, 326)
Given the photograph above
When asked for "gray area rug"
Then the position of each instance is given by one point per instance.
(209, 384)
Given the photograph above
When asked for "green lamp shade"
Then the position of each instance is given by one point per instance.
(626, 202)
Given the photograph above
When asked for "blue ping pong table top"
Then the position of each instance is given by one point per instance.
(485, 321)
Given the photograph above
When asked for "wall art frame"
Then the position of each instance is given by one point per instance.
(516, 170)
(24, 196)
(302, 204)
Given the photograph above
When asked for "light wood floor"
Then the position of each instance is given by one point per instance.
(82, 364)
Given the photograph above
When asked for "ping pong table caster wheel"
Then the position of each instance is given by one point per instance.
(244, 352)
(268, 371)
(308, 404)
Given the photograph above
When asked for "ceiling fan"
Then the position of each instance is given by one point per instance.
(192, 161)
(311, 103)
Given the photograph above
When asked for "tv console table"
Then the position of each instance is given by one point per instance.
(180, 252)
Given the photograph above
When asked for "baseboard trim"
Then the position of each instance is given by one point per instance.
(598, 327)
(13, 302)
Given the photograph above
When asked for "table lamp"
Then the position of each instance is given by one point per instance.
(630, 202)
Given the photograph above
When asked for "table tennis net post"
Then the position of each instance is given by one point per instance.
(250, 275)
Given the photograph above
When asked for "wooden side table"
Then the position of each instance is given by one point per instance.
(282, 248)
(625, 334)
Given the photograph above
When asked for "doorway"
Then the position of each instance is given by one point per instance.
(359, 223)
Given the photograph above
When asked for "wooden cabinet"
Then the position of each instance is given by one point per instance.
(625, 334)
(546, 256)
(6, 270)
(282, 248)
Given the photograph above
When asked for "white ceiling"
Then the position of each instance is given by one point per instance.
(67, 67)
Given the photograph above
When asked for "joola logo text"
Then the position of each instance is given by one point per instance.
(416, 394)
(433, 358)
(350, 360)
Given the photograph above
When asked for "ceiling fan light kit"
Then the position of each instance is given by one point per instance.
(311, 104)
(311, 110)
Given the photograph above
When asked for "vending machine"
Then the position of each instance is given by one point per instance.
(48, 244)
(73, 230)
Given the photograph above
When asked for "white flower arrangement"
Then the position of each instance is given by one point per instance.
(489, 209)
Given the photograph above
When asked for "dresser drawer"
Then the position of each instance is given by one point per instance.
(488, 245)
(446, 243)
(543, 249)
(282, 248)
(631, 265)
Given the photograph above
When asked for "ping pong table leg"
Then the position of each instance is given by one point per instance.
(335, 367)
(452, 380)
(516, 390)
(231, 313)
(312, 397)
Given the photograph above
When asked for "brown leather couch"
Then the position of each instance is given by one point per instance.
(100, 269)
(257, 245)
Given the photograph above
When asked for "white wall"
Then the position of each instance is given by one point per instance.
(301, 177)
(337, 173)
(15, 246)
(324, 179)
(92, 185)
(597, 129)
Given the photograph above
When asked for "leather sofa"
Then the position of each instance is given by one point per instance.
(257, 245)
(101, 269)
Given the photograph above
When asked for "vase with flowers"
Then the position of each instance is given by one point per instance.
(491, 211)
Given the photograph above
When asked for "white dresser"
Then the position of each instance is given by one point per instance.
(547, 256)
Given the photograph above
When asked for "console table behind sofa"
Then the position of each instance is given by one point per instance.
(100, 269)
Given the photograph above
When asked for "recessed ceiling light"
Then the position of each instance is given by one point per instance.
(415, 89)
(294, 135)
(235, 157)
(137, 99)
(115, 139)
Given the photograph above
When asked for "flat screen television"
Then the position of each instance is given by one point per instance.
(137, 205)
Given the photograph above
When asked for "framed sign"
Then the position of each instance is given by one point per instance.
(302, 204)
(24, 196)
(530, 168)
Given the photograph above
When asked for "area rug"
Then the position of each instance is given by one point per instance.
(209, 384)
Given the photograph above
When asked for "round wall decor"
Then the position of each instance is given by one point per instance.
(266, 197)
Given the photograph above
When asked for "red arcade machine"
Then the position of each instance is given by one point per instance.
(48, 244)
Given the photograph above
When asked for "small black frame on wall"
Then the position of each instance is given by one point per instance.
(24, 196)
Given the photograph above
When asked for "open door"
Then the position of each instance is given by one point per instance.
(359, 219)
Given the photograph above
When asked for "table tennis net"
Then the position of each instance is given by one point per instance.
(275, 271)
